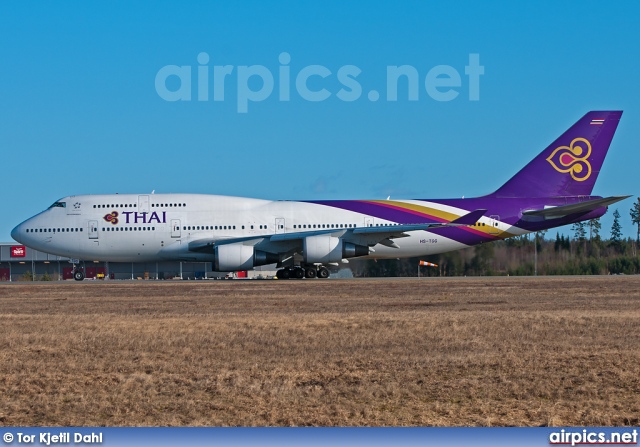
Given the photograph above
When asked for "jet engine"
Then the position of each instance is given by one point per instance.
(325, 248)
(234, 257)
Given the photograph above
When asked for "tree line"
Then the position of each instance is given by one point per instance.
(581, 252)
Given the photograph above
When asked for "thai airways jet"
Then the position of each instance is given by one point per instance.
(304, 237)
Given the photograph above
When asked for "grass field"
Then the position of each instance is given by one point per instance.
(443, 352)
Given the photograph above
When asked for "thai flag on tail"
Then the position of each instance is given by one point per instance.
(597, 121)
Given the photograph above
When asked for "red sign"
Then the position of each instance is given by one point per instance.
(18, 251)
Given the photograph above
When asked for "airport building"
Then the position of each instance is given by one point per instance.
(21, 263)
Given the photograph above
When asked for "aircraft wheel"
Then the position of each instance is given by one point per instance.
(284, 274)
(298, 273)
(78, 275)
(310, 272)
(323, 273)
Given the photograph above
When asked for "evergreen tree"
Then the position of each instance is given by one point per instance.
(480, 263)
(562, 243)
(540, 239)
(580, 232)
(616, 228)
(635, 218)
(594, 229)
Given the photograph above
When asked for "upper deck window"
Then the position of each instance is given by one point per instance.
(59, 205)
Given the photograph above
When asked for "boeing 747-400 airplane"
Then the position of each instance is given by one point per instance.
(304, 237)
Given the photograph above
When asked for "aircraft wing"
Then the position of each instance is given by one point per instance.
(369, 236)
(555, 212)
(466, 219)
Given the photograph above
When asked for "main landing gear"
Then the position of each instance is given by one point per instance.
(299, 272)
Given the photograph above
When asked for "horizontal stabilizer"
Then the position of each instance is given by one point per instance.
(576, 208)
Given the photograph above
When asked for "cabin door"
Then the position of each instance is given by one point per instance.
(93, 229)
(143, 204)
(175, 228)
(494, 222)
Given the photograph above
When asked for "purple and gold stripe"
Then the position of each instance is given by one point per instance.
(411, 213)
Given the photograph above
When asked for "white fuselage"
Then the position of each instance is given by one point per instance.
(132, 228)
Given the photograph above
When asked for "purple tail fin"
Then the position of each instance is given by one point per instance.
(571, 164)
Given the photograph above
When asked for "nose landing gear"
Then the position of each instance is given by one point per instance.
(78, 273)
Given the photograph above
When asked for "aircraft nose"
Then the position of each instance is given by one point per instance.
(16, 233)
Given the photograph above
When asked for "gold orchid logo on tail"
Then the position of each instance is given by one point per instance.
(573, 159)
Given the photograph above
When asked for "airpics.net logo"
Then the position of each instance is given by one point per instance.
(313, 83)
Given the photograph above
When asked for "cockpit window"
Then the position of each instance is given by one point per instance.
(59, 205)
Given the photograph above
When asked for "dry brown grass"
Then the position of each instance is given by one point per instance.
(480, 352)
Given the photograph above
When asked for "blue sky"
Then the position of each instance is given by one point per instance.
(80, 112)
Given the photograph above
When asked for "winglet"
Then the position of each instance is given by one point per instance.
(469, 218)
